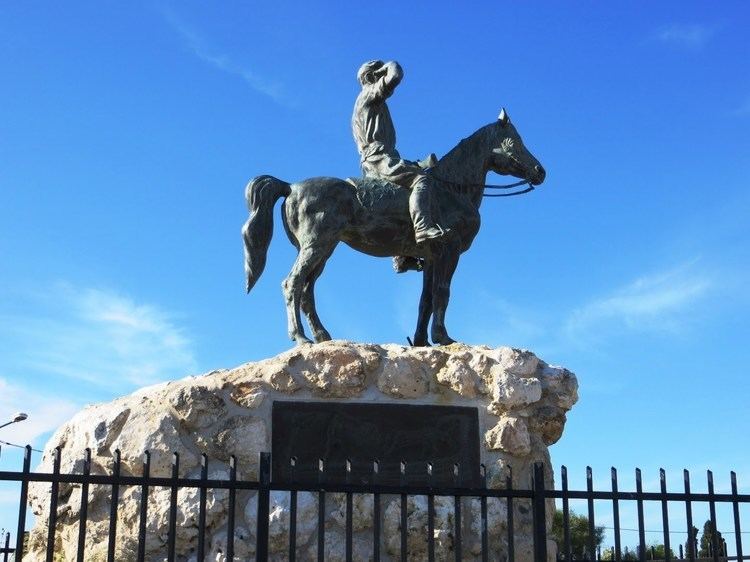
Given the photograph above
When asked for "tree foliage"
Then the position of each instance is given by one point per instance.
(579, 534)
(705, 546)
(654, 551)
(695, 542)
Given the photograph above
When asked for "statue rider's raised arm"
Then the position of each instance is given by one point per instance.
(382, 81)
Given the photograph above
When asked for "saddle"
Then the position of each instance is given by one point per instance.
(430, 161)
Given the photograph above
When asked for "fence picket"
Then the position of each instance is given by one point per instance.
(736, 513)
(403, 525)
(172, 536)
(511, 530)
(202, 498)
(143, 508)
(566, 514)
(349, 509)
(689, 517)
(376, 513)
(261, 519)
(321, 512)
(641, 525)
(52, 520)
(712, 512)
(293, 512)
(83, 511)
(539, 512)
(23, 501)
(616, 515)
(430, 517)
(231, 507)
(7, 547)
(590, 505)
(115, 495)
(665, 514)
(483, 514)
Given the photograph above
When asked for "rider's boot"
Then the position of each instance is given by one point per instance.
(420, 208)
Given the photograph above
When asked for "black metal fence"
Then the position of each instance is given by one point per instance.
(535, 497)
(6, 550)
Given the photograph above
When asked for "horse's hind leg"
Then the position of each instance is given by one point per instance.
(425, 306)
(307, 302)
(307, 260)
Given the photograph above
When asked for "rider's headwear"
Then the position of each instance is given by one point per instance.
(368, 67)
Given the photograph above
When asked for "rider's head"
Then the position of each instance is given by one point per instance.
(366, 72)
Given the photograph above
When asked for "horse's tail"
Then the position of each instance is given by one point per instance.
(261, 195)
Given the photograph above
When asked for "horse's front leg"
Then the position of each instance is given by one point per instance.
(444, 266)
(425, 306)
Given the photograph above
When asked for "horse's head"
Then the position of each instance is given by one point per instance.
(509, 156)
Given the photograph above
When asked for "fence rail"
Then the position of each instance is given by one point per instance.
(536, 496)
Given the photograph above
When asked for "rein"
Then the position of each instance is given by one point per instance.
(490, 186)
(531, 187)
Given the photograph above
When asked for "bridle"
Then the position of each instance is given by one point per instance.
(530, 187)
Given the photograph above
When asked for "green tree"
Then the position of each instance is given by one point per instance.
(656, 552)
(626, 554)
(705, 543)
(579, 534)
(695, 540)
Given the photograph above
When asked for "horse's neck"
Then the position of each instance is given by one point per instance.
(464, 167)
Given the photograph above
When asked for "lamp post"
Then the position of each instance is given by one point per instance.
(18, 417)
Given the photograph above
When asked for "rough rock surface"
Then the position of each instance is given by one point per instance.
(522, 404)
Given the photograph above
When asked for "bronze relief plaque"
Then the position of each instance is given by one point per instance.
(364, 432)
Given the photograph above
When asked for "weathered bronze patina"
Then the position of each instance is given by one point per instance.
(373, 215)
(364, 432)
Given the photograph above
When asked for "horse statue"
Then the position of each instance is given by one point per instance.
(372, 216)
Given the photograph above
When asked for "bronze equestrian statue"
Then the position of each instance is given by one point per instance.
(379, 213)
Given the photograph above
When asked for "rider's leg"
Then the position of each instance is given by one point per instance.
(409, 174)
(421, 210)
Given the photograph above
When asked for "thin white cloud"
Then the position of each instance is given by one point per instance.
(498, 321)
(653, 303)
(686, 36)
(93, 335)
(46, 413)
(200, 49)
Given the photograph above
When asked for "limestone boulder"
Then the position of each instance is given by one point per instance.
(521, 404)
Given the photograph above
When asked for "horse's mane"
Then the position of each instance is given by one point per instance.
(450, 166)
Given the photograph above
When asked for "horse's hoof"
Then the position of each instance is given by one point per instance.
(443, 340)
(302, 340)
(421, 342)
(322, 336)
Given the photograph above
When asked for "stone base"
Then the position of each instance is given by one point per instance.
(521, 404)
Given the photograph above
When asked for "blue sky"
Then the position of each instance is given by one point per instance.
(127, 134)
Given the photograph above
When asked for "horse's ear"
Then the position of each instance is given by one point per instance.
(503, 117)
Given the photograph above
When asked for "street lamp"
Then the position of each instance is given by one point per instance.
(18, 417)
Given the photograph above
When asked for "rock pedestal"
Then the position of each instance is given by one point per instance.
(521, 402)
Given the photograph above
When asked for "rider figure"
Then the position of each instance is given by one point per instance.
(376, 141)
